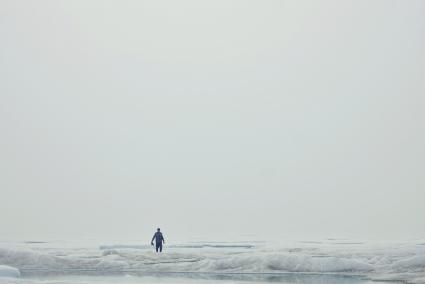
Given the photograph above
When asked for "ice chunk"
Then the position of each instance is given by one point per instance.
(412, 263)
(8, 271)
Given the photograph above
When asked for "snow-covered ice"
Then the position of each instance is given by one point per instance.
(373, 261)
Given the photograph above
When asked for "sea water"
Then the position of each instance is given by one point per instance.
(189, 279)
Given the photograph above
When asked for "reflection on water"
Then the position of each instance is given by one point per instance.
(198, 278)
(280, 278)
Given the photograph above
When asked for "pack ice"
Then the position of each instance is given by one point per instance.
(375, 261)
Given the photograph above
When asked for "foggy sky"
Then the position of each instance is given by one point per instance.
(212, 118)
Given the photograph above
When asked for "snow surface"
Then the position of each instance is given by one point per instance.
(374, 261)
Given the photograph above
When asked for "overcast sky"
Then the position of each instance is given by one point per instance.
(295, 118)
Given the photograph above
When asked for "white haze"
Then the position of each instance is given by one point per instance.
(300, 119)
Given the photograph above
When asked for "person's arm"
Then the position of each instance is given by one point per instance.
(153, 238)
(163, 240)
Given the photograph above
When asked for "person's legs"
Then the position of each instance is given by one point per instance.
(157, 247)
(160, 248)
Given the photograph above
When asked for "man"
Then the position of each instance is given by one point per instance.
(159, 239)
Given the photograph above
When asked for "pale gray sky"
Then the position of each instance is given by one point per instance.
(296, 118)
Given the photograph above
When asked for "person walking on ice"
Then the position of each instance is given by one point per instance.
(159, 239)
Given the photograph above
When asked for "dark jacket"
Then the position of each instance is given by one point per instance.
(158, 238)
